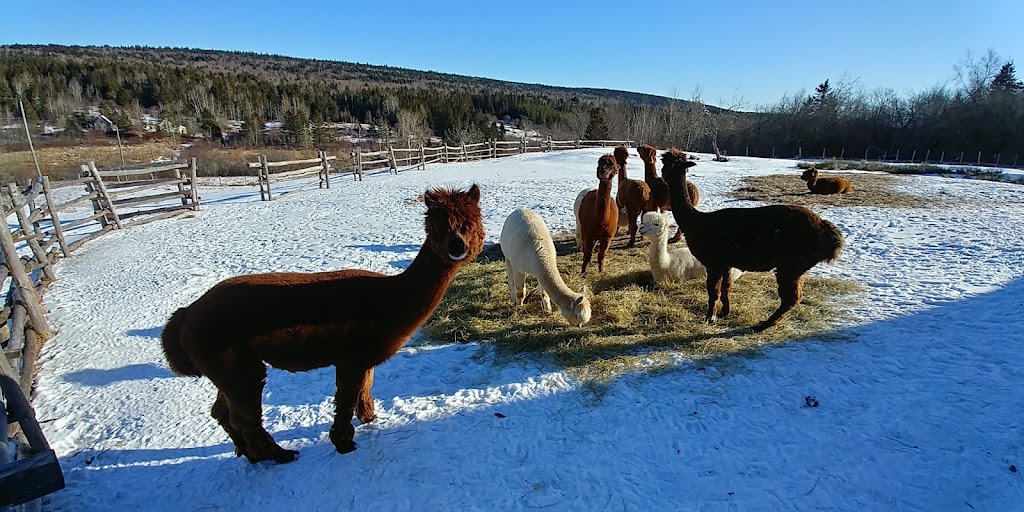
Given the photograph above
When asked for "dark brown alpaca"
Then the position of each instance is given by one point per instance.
(659, 189)
(632, 195)
(599, 215)
(825, 185)
(789, 239)
(351, 319)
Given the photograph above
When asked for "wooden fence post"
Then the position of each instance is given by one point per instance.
(392, 163)
(103, 193)
(181, 187)
(979, 157)
(325, 180)
(445, 146)
(897, 156)
(927, 154)
(259, 176)
(20, 203)
(913, 156)
(193, 171)
(90, 190)
(523, 145)
(24, 284)
(50, 206)
(423, 159)
(463, 157)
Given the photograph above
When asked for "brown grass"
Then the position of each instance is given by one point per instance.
(62, 162)
(635, 325)
(874, 190)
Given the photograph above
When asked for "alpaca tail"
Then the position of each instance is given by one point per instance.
(177, 358)
(831, 240)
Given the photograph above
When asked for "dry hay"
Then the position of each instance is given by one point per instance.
(635, 325)
(869, 189)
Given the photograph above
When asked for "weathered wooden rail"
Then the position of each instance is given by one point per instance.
(264, 177)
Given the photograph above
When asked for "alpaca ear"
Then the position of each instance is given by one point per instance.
(583, 292)
(688, 164)
(474, 193)
(431, 198)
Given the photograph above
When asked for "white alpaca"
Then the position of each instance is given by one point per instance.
(528, 249)
(676, 265)
(576, 213)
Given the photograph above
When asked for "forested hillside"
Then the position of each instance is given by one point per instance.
(980, 108)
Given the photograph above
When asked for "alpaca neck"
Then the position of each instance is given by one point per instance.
(659, 250)
(552, 282)
(678, 194)
(622, 172)
(649, 171)
(604, 194)
(424, 284)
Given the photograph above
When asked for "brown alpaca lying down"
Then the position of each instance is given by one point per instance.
(350, 319)
(825, 185)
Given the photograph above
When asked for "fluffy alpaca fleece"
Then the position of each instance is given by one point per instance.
(817, 185)
(599, 216)
(676, 265)
(314, 320)
(576, 213)
(529, 250)
(788, 239)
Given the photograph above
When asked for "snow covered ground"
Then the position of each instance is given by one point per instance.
(921, 405)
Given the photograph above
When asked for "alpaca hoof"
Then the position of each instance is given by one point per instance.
(366, 417)
(711, 319)
(280, 456)
(345, 446)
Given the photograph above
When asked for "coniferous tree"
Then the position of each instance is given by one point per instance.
(597, 129)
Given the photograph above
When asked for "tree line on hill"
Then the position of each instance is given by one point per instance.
(980, 109)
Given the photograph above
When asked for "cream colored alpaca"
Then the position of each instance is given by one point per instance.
(671, 266)
(576, 213)
(528, 249)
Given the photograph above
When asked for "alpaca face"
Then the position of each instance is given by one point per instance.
(674, 165)
(810, 174)
(621, 154)
(454, 225)
(654, 225)
(648, 154)
(607, 168)
(579, 311)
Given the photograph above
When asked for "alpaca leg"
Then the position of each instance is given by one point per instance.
(632, 227)
(222, 414)
(516, 285)
(726, 287)
(349, 382)
(676, 237)
(588, 252)
(790, 292)
(365, 410)
(545, 300)
(602, 249)
(241, 381)
(714, 288)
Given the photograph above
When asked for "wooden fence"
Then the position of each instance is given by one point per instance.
(419, 157)
(29, 250)
(264, 177)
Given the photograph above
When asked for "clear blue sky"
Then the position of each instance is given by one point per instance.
(764, 48)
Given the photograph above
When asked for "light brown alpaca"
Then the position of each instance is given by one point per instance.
(351, 319)
(632, 196)
(659, 189)
(599, 215)
(825, 185)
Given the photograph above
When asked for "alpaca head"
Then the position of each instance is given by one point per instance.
(655, 226)
(810, 174)
(455, 229)
(648, 154)
(621, 154)
(607, 168)
(674, 165)
(578, 312)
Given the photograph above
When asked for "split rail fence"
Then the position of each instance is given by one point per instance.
(30, 246)
(418, 157)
